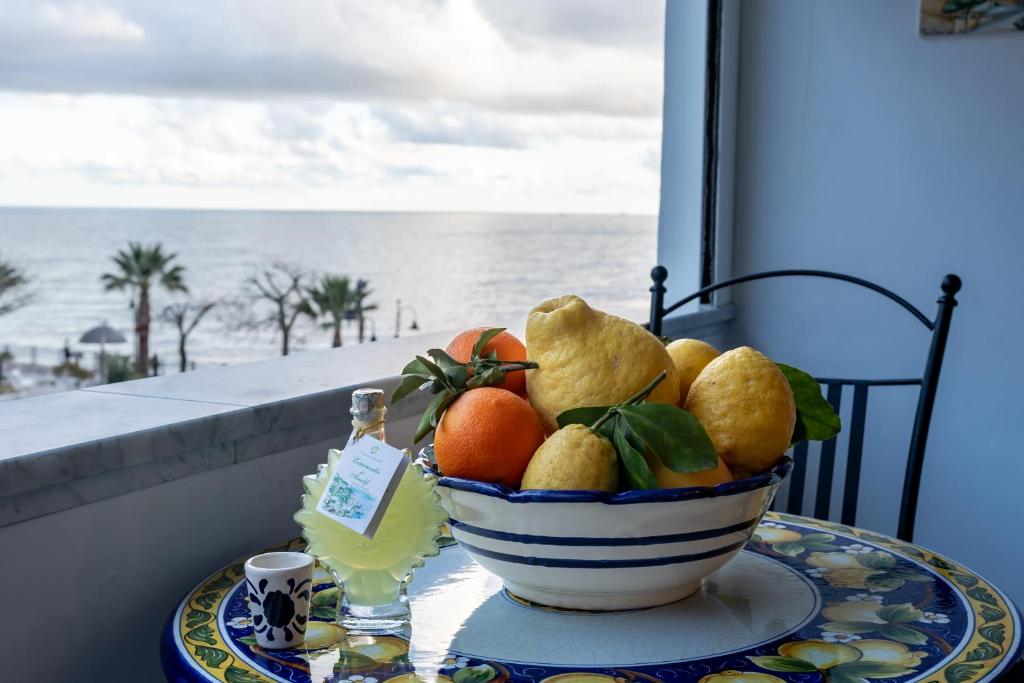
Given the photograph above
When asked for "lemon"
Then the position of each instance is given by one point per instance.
(573, 459)
(590, 358)
(745, 404)
(741, 677)
(669, 479)
(819, 653)
(690, 357)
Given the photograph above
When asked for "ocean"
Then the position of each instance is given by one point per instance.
(454, 270)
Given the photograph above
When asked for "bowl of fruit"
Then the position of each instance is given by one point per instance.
(597, 468)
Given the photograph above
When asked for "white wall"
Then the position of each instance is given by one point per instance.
(90, 588)
(864, 148)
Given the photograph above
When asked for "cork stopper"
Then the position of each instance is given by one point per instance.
(365, 402)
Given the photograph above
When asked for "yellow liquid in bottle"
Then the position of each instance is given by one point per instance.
(373, 570)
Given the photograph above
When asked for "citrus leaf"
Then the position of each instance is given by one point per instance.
(784, 664)
(485, 337)
(983, 651)
(883, 582)
(211, 655)
(673, 435)
(638, 474)
(457, 375)
(434, 370)
(815, 419)
(900, 613)
(433, 413)
(994, 632)
(415, 367)
(789, 548)
(850, 626)
(584, 416)
(964, 671)
(903, 634)
(982, 595)
(474, 674)
(443, 360)
(876, 560)
(410, 384)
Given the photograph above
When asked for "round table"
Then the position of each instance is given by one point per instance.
(805, 601)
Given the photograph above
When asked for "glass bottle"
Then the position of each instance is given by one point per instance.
(373, 572)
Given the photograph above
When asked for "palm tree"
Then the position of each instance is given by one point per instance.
(185, 315)
(359, 305)
(332, 298)
(12, 288)
(138, 268)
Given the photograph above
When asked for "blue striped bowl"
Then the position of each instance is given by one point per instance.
(593, 550)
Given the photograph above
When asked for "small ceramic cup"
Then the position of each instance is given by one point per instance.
(279, 587)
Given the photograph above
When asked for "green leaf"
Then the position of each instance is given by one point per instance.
(583, 416)
(434, 370)
(903, 634)
(325, 598)
(236, 674)
(324, 612)
(248, 640)
(850, 626)
(940, 563)
(203, 634)
(457, 375)
(485, 337)
(981, 595)
(817, 538)
(196, 617)
(991, 613)
(638, 474)
(994, 632)
(784, 664)
(211, 655)
(207, 600)
(433, 413)
(870, 670)
(964, 671)
(443, 360)
(883, 582)
(965, 580)
(876, 560)
(219, 584)
(410, 384)
(815, 419)
(846, 678)
(789, 548)
(672, 434)
(474, 674)
(900, 613)
(417, 368)
(983, 651)
(911, 575)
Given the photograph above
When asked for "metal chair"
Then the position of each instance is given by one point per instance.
(928, 383)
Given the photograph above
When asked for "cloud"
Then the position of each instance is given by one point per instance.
(439, 124)
(576, 58)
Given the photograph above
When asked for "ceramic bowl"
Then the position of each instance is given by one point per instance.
(592, 550)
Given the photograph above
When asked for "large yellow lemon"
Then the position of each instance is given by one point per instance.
(690, 357)
(573, 458)
(590, 358)
(819, 653)
(741, 677)
(746, 406)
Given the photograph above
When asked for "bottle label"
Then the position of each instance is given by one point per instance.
(362, 485)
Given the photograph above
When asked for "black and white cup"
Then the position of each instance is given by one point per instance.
(279, 588)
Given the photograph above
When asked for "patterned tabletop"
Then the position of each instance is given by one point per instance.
(806, 601)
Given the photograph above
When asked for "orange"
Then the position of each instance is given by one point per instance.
(509, 348)
(488, 434)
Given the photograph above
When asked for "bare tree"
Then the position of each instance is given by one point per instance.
(282, 289)
(12, 288)
(185, 316)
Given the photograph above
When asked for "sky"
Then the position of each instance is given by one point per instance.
(465, 105)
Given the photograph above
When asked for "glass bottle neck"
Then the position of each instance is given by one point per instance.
(371, 425)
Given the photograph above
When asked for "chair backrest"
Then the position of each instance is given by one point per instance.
(928, 383)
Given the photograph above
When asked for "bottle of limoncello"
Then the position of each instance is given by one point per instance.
(372, 572)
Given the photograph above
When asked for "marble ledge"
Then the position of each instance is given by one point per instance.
(63, 450)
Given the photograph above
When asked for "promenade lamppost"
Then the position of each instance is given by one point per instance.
(399, 307)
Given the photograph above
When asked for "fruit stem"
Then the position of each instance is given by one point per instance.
(632, 400)
(518, 365)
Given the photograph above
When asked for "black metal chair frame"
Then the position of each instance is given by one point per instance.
(928, 383)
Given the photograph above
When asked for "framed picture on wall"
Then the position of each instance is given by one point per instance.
(955, 17)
